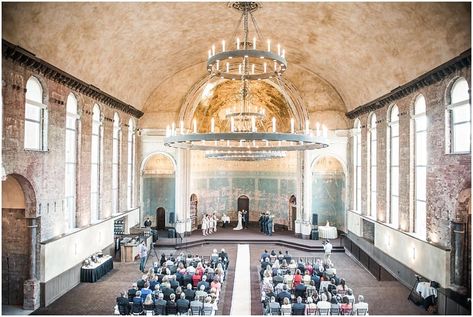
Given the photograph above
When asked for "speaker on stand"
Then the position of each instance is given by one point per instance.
(314, 235)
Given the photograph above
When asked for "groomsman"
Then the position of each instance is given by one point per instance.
(269, 225)
(265, 224)
(260, 221)
(246, 218)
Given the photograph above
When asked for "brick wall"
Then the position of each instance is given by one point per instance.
(45, 170)
(447, 174)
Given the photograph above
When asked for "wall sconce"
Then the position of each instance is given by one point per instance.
(413, 253)
(388, 241)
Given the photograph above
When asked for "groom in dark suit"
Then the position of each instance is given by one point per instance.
(246, 218)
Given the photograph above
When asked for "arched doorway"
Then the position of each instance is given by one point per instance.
(243, 203)
(193, 211)
(18, 201)
(160, 218)
(328, 191)
(292, 212)
(159, 190)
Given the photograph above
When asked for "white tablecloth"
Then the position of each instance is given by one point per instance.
(94, 265)
(425, 289)
(328, 232)
(226, 219)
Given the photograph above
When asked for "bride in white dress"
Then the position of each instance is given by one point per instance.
(239, 226)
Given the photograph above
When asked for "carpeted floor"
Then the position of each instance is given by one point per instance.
(384, 298)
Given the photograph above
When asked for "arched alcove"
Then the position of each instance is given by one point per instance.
(328, 191)
(159, 188)
(17, 199)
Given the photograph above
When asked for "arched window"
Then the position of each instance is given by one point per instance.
(36, 117)
(372, 137)
(71, 161)
(420, 167)
(357, 166)
(459, 111)
(95, 165)
(131, 163)
(115, 163)
(393, 159)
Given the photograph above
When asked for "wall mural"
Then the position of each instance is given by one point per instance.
(328, 192)
(267, 191)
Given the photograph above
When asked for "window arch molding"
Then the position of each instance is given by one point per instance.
(35, 135)
(116, 156)
(458, 116)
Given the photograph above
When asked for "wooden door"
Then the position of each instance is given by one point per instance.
(160, 218)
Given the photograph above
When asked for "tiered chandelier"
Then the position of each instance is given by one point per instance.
(242, 141)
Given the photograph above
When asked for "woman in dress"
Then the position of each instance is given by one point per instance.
(239, 226)
(204, 225)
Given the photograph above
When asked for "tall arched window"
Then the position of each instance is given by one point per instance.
(115, 163)
(420, 163)
(372, 137)
(131, 163)
(71, 161)
(357, 165)
(36, 117)
(393, 159)
(460, 117)
(95, 165)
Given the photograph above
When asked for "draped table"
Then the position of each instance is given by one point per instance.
(328, 232)
(94, 272)
(425, 289)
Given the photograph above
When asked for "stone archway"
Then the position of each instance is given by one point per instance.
(19, 243)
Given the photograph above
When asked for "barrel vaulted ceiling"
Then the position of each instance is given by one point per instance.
(150, 54)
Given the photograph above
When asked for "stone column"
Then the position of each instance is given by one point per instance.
(182, 193)
(458, 245)
(307, 202)
(299, 194)
(31, 290)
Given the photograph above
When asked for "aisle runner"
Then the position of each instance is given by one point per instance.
(241, 298)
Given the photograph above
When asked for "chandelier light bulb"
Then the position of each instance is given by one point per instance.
(223, 45)
(210, 53)
(173, 129)
(213, 49)
(264, 67)
(269, 45)
(194, 123)
(228, 67)
(306, 126)
(232, 124)
(254, 42)
(274, 124)
(279, 49)
(238, 43)
(212, 125)
(181, 127)
(218, 65)
(292, 125)
(283, 53)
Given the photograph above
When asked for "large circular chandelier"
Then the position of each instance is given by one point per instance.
(241, 140)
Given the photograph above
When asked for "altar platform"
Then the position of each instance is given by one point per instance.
(252, 235)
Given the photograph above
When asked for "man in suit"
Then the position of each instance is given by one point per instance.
(123, 304)
(189, 292)
(283, 294)
(269, 224)
(298, 308)
(204, 282)
(182, 304)
(260, 221)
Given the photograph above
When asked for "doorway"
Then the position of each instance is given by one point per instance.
(292, 212)
(243, 203)
(160, 218)
(15, 241)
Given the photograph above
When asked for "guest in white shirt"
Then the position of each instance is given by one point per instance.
(328, 250)
(360, 305)
(323, 303)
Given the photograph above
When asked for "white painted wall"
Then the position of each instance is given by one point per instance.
(62, 254)
(420, 256)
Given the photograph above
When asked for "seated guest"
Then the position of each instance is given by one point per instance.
(196, 278)
(160, 305)
(342, 288)
(301, 265)
(189, 292)
(171, 306)
(216, 284)
(307, 278)
(273, 256)
(298, 308)
(208, 307)
(145, 291)
(288, 277)
(309, 267)
(287, 257)
(220, 272)
(278, 279)
(224, 256)
(280, 256)
(283, 294)
(323, 303)
(286, 305)
(268, 277)
(331, 287)
(213, 294)
(309, 290)
(167, 292)
(350, 296)
(310, 308)
(173, 282)
(148, 304)
(123, 304)
(279, 288)
(201, 293)
(141, 282)
(265, 263)
(345, 307)
(315, 297)
(297, 279)
(292, 265)
(132, 292)
(205, 283)
(186, 279)
(360, 305)
(190, 269)
(273, 307)
(214, 257)
(153, 282)
(155, 267)
(335, 303)
(182, 304)
(199, 269)
(300, 290)
(196, 306)
(157, 290)
(316, 279)
(137, 306)
(275, 268)
(165, 282)
(264, 255)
